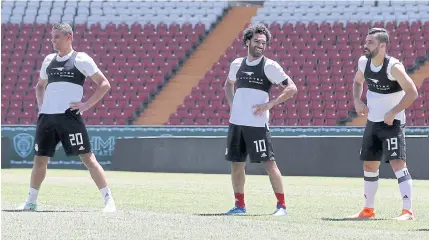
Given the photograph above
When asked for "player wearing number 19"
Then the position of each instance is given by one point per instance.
(248, 133)
(59, 92)
(390, 92)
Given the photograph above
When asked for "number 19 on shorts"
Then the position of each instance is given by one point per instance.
(76, 139)
(392, 143)
(260, 145)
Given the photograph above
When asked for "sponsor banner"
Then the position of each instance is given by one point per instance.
(103, 139)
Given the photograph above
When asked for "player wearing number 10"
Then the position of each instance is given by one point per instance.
(59, 93)
(248, 132)
(390, 92)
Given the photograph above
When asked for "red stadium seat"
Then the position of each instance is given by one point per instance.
(95, 41)
(321, 58)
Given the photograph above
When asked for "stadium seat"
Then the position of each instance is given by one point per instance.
(317, 43)
(136, 52)
(319, 49)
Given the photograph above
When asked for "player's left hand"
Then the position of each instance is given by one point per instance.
(80, 106)
(260, 109)
(389, 117)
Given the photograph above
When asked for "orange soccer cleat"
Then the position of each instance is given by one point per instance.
(366, 213)
(405, 215)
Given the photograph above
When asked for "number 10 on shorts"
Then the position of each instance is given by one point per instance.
(76, 139)
(260, 145)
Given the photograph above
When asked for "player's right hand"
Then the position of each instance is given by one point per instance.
(361, 108)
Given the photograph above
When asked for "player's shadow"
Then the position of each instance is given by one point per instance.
(45, 211)
(352, 219)
(224, 214)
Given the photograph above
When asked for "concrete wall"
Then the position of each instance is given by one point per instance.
(296, 156)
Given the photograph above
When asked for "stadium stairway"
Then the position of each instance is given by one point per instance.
(418, 77)
(199, 63)
(421, 74)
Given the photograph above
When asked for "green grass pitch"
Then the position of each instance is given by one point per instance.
(188, 206)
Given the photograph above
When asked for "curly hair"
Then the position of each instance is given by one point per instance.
(256, 29)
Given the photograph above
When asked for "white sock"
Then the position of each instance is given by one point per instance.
(370, 188)
(32, 195)
(405, 186)
(106, 193)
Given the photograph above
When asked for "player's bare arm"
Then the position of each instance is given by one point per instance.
(229, 90)
(40, 91)
(289, 91)
(407, 84)
(358, 82)
(102, 88)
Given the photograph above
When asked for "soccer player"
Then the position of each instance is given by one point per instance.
(390, 92)
(59, 93)
(248, 132)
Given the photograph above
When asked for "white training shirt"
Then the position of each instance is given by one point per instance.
(59, 95)
(246, 98)
(380, 104)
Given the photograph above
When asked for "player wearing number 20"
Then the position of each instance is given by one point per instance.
(390, 92)
(59, 93)
(248, 133)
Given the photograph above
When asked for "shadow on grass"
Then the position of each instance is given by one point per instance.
(45, 211)
(422, 230)
(224, 214)
(352, 219)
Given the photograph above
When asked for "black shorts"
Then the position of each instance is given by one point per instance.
(252, 141)
(66, 127)
(382, 142)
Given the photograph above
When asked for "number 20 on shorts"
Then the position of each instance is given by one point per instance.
(76, 139)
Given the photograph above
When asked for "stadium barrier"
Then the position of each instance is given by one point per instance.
(104, 139)
(296, 156)
(5, 152)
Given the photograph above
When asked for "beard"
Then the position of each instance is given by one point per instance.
(255, 53)
(370, 54)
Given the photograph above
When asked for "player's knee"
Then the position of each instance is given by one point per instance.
(398, 164)
(41, 161)
(89, 160)
(371, 166)
(270, 166)
(237, 167)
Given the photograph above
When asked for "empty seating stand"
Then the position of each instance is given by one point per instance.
(318, 44)
(137, 51)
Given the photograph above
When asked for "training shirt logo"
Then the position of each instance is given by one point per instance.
(59, 68)
(248, 73)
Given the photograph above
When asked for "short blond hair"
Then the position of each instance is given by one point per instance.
(63, 27)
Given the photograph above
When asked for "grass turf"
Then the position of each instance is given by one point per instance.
(190, 206)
